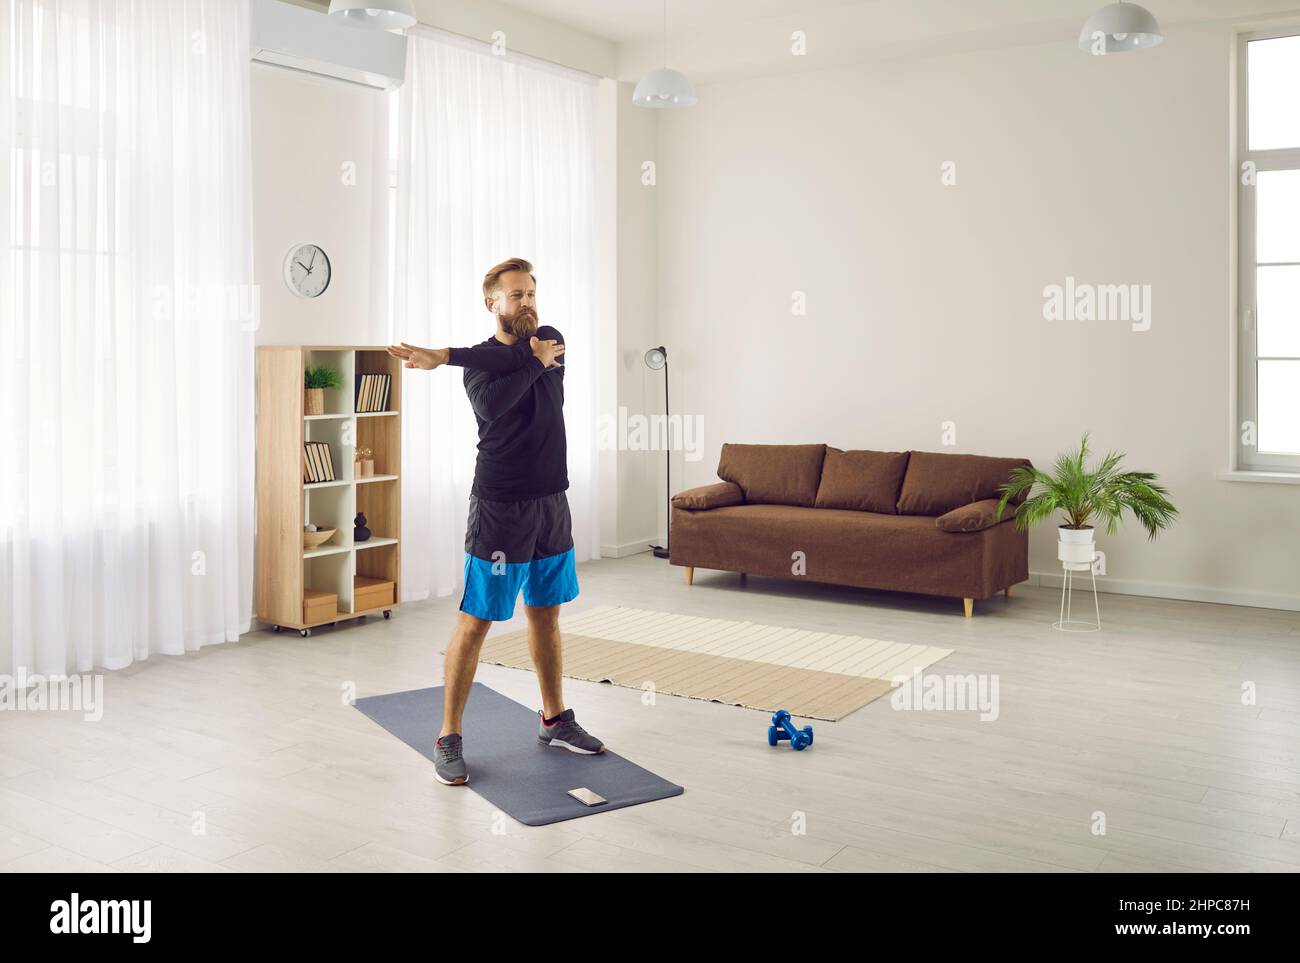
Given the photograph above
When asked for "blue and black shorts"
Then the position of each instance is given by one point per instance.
(511, 546)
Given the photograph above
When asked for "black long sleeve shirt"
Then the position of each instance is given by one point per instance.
(519, 406)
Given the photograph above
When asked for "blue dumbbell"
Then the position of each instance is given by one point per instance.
(782, 728)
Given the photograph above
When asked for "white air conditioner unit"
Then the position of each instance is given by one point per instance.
(290, 36)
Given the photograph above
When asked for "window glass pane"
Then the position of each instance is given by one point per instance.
(1279, 407)
(1274, 79)
(1277, 297)
(1277, 216)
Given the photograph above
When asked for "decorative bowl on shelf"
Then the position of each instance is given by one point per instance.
(312, 540)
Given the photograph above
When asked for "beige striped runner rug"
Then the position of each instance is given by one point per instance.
(815, 675)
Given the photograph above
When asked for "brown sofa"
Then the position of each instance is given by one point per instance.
(903, 521)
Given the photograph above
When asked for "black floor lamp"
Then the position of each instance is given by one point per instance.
(656, 359)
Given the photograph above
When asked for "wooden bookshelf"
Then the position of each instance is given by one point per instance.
(285, 571)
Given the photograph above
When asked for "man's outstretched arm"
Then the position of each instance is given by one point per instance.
(494, 359)
(502, 360)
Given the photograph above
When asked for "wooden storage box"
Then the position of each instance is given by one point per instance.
(319, 605)
(371, 593)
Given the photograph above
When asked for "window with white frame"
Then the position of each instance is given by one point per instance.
(1268, 244)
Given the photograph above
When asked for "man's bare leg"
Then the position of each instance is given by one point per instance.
(458, 669)
(544, 646)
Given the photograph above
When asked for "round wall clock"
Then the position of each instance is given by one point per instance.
(307, 270)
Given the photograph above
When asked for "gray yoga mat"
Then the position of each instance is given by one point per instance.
(507, 767)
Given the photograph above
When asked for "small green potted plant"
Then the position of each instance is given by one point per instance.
(315, 381)
(1084, 495)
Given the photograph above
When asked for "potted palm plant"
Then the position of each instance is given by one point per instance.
(1083, 496)
(315, 381)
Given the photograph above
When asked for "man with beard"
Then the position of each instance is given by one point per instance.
(519, 534)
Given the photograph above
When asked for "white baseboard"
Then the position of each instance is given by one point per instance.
(1105, 584)
(1183, 593)
(628, 548)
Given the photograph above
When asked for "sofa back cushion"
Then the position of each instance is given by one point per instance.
(937, 483)
(864, 481)
(774, 474)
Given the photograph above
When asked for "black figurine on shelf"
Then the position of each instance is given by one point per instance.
(360, 533)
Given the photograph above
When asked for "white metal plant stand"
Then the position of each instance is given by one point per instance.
(1077, 558)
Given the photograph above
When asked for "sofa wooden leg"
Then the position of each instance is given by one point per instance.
(1006, 592)
(690, 574)
(970, 606)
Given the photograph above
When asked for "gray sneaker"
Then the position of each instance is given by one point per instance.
(448, 761)
(565, 733)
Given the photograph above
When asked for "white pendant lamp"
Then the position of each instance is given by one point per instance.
(664, 88)
(374, 14)
(1118, 27)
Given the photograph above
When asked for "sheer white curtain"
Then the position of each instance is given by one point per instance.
(126, 331)
(495, 158)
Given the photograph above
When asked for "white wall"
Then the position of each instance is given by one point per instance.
(304, 130)
(925, 302)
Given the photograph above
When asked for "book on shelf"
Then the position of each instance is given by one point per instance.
(317, 462)
(372, 392)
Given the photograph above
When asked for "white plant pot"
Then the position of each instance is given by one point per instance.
(1077, 552)
(1075, 548)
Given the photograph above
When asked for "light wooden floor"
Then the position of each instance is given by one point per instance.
(1142, 722)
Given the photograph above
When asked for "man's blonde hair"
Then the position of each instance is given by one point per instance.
(493, 278)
